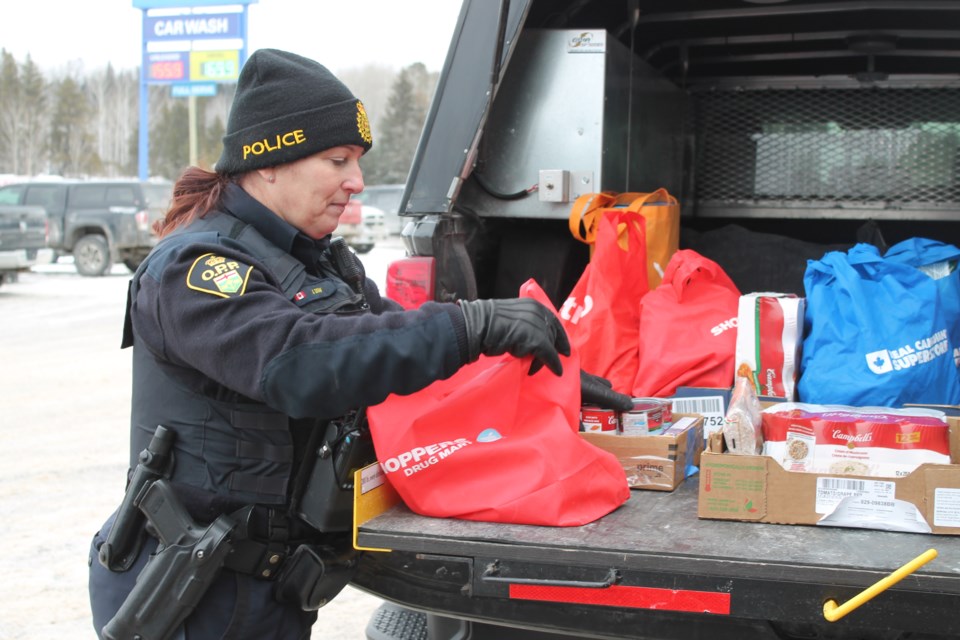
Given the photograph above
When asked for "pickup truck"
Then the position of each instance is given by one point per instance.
(785, 128)
(23, 239)
(98, 222)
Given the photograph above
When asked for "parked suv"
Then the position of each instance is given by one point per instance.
(386, 198)
(352, 228)
(99, 222)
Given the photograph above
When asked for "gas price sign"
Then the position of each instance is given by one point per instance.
(214, 66)
(193, 44)
(166, 67)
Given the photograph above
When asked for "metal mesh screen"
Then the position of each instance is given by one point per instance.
(828, 147)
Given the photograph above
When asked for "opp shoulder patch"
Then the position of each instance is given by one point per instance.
(218, 276)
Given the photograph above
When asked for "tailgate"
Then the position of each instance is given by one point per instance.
(22, 227)
(653, 563)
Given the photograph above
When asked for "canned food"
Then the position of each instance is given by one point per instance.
(667, 414)
(646, 417)
(594, 418)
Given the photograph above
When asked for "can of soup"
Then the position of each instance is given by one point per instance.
(594, 418)
(646, 417)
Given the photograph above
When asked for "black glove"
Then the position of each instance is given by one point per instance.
(599, 391)
(518, 326)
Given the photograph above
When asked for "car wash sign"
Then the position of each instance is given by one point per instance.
(192, 46)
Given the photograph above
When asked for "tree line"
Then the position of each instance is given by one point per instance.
(78, 123)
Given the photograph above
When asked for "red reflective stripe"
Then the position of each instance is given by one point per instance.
(632, 597)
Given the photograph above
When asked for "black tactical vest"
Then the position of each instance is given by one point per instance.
(226, 444)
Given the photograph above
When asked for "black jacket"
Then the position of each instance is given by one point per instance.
(239, 314)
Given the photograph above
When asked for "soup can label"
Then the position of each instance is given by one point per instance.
(646, 417)
(667, 414)
(594, 418)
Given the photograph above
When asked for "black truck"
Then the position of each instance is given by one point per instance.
(98, 222)
(23, 240)
(785, 128)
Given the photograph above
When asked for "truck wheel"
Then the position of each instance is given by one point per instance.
(132, 263)
(91, 256)
(363, 248)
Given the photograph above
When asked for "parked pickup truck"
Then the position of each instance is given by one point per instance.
(23, 239)
(784, 128)
(98, 222)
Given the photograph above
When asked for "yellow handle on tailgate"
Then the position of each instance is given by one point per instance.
(833, 612)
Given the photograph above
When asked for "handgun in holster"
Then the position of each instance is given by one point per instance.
(122, 546)
(187, 561)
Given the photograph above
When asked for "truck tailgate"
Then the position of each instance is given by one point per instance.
(659, 564)
(22, 235)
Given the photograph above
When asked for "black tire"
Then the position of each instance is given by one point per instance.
(363, 248)
(91, 256)
(132, 263)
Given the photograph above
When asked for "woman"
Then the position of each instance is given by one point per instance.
(250, 336)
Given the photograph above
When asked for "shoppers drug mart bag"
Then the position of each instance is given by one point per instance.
(688, 328)
(492, 443)
(877, 334)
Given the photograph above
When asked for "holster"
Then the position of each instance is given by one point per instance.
(174, 579)
(125, 538)
(313, 575)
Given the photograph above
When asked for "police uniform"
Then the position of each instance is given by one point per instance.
(245, 340)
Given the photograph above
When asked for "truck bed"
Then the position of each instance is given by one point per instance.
(668, 566)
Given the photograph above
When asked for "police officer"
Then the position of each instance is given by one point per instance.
(247, 338)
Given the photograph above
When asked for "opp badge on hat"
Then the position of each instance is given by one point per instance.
(363, 124)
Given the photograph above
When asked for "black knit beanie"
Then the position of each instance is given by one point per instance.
(288, 107)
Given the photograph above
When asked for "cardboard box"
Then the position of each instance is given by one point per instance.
(657, 463)
(758, 489)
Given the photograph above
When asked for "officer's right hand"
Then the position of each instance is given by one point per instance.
(518, 326)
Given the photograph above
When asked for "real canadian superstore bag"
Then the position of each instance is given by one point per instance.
(878, 334)
(492, 443)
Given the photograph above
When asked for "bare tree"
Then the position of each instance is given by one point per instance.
(34, 90)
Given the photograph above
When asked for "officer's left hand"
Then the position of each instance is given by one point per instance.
(599, 391)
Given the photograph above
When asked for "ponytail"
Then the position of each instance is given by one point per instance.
(196, 192)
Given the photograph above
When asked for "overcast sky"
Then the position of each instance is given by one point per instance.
(341, 34)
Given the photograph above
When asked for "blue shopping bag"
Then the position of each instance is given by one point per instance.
(879, 330)
(939, 261)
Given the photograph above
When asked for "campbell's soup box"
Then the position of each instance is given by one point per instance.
(769, 341)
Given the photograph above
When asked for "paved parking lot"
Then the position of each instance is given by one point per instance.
(65, 386)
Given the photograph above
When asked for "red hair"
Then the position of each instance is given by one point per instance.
(196, 192)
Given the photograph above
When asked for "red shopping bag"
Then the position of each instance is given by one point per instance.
(493, 443)
(688, 328)
(602, 312)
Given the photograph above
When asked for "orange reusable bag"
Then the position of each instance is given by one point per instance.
(660, 210)
(492, 443)
(602, 312)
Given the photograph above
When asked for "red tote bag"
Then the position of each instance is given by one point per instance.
(492, 443)
(688, 328)
(602, 312)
